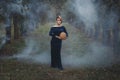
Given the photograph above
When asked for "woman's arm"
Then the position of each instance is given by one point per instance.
(65, 31)
(51, 32)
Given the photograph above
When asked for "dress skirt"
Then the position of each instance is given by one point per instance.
(56, 55)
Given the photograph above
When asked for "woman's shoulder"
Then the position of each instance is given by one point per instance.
(53, 26)
(56, 26)
(63, 26)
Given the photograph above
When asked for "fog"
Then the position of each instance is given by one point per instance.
(86, 11)
(96, 54)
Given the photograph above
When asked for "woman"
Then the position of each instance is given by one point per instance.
(56, 43)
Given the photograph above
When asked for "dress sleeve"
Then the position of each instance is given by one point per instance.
(51, 32)
(65, 31)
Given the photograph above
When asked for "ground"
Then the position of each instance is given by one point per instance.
(15, 70)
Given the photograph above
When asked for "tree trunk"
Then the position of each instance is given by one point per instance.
(16, 26)
(116, 40)
(8, 34)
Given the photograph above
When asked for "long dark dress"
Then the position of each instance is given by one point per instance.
(56, 46)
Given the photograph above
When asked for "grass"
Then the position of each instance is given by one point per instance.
(12, 48)
(24, 71)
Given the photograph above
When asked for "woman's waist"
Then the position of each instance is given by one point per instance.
(54, 39)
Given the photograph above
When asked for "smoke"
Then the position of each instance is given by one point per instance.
(85, 11)
(32, 13)
(93, 55)
(96, 55)
(91, 14)
(36, 13)
(3, 41)
(33, 53)
(75, 51)
(37, 45)
(2, 35)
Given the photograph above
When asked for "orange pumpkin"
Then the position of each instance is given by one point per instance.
(63, 35)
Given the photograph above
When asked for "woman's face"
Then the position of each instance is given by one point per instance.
(59, 22)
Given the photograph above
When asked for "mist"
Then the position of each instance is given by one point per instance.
(37, 49)
(96, 56)
(2, 35)
(90, 13)
(32, 53)
(85, 9)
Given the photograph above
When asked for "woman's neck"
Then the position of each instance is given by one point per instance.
(56, 25)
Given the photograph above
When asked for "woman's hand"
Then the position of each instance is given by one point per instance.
(58, 37)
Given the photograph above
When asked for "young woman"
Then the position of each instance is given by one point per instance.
(56, 43)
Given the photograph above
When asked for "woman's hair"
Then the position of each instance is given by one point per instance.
(59, 18)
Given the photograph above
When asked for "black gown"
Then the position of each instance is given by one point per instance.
(56, 46)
